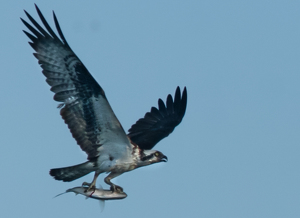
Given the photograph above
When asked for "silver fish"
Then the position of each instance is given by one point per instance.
(99, 194)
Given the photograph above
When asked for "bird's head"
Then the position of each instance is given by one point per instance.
(152, 156)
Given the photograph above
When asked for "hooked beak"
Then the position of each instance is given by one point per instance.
(164, 159)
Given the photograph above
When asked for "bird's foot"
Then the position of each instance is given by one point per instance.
(116, 188)
(86, 184)
(91, 186)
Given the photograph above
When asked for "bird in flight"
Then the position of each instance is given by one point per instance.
(89, 116)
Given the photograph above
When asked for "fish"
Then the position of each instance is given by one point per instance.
(97, 193)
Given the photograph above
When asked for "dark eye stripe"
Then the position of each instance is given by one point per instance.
(147, 157)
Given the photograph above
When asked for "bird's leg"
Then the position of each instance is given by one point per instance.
(113, 187)
(92, 186)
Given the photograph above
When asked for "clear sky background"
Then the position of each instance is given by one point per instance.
(236, 152)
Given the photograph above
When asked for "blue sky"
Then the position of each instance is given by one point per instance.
(236, 152)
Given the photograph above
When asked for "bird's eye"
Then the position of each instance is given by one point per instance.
(156, 154)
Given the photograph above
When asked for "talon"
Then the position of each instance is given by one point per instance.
(86, 184)
(119, 189)
(115, 188)
(91, 187)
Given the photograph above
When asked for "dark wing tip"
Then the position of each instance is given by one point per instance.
(183, 102)
(27, 14)
(37, 8)
(162, 107)
(60, 31)
(47, 26)
(159, 122)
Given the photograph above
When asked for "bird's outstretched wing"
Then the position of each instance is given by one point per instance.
(159, 123)
(85, 108)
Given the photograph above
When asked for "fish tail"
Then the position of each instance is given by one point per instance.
(71, 173)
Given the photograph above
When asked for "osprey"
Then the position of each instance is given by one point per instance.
(89, 116)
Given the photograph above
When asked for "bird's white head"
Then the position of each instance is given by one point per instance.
(150, 157)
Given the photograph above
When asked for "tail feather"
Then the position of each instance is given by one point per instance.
(71, 173)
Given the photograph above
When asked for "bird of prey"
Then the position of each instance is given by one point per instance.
(89, 116)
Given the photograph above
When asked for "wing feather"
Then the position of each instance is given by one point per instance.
(159, 123)
(85, 108)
